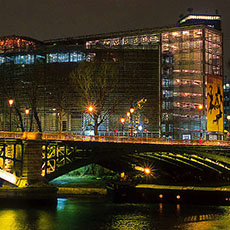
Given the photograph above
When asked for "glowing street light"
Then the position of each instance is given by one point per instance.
(131, 110)
(122, 120)
(27, 112)
(228, 117)
(11, 102)
(90, 108)
(200, 107)
(147, 171)
(140, 127)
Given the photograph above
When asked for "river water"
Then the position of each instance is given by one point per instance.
(91, 214)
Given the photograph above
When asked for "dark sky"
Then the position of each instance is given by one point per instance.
(47, 19)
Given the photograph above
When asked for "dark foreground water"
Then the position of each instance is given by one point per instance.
(98, 214)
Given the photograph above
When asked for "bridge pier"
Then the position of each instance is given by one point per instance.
(32, 187)
(32, 161)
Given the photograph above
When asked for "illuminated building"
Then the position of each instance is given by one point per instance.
(170, 67)
(213, 21)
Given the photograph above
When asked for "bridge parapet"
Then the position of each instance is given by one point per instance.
(113, 139)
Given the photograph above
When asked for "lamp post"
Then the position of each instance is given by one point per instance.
(200, 107)
(11, 102)
(131, 110)
(90, 110)
(27, 112)
(122, 120)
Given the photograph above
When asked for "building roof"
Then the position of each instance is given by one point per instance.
(156, 30)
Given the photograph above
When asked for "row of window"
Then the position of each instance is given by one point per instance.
(147, 39)
(50, 58)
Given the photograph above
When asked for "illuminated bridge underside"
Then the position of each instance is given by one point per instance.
(64, 153)
(62, 157)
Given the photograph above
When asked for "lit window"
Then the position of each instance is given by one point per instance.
(24, 59)
(63, 57)
(51, 58)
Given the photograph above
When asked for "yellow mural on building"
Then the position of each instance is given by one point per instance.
(215, 104)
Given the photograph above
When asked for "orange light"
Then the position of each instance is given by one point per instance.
(161, 196)
(122, 120)
(128, 114)
(200, 106)
(27, 111)
(228, 116)
(147, 171)
(90, 108)
(131, 110)
(11, 102)
(178, 197)
(122, 175)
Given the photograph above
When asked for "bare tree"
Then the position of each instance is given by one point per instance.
(11, 90)
(32, 85)
(96, 82)
(61, 96)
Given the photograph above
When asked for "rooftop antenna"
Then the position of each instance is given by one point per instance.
(217, 11)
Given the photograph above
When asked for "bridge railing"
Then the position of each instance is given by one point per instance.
(113, 139)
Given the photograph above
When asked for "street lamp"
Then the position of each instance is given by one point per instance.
(131, 110)
(27, 112)
(11, 102)
(122, 120)
(200, 107)
(90, 108)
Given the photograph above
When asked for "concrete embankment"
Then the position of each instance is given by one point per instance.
(65, 192)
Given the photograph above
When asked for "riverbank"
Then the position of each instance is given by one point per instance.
(93, 187)
(83, 186)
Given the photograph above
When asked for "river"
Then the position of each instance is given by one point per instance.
(88, 214)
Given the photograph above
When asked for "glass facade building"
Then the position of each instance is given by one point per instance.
(168, 68)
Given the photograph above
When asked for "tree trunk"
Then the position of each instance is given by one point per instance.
(96, 129)
(37, 121)
(95, 118)
(20, 119)
(31, 122)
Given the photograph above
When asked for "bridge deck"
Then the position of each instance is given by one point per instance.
(112, 139)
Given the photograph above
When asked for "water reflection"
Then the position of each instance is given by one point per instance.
(104, 215)
(21, 219)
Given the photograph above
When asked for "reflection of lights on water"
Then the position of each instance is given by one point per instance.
(178, 209)
(161, 208)
(61, 202)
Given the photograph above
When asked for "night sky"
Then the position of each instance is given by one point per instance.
(48, 19)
